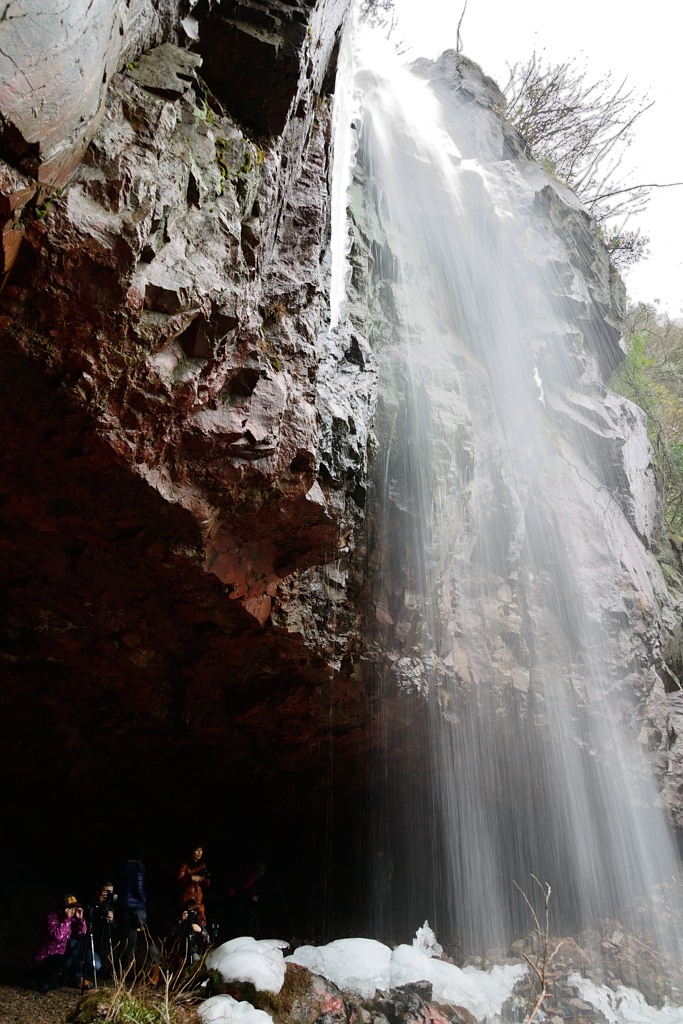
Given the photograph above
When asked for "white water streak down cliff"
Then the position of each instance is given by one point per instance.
(507, 566)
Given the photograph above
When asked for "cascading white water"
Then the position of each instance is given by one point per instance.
(504, 563)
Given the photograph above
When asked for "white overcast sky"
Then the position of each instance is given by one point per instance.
(641, 41)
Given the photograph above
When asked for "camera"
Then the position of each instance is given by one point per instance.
(109, 901)
(192, 915)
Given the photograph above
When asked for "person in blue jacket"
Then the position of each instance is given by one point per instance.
(131, 912)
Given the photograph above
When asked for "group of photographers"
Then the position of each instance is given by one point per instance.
(82, 942)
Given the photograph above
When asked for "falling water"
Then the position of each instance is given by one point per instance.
(504, 565)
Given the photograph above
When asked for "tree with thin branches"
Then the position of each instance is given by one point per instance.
(580, 131)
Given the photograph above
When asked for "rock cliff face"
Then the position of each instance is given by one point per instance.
(183, 478)
(179, 445)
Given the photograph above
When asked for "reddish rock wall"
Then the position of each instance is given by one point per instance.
(167, 474)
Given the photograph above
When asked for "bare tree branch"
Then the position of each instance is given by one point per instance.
(458, 44)
(632, 188)
(580, 130)
(540, 966)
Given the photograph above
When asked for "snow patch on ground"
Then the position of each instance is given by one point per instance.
(363, 965)
(226, 1010)
(259, 961)
(624, 1005)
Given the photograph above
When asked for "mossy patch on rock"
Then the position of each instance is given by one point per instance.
(297, 1002)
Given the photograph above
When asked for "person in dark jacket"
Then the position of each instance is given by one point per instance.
(100, 920)
(245, 901)
(132, 911)
(189, 939)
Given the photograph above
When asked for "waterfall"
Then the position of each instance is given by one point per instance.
(508, 562)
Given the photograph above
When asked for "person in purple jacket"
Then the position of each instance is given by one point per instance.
(59, 959)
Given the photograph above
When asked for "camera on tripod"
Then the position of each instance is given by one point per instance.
(108, 902)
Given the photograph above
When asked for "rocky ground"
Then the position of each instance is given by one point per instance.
(20, 1002)
(26, 1006)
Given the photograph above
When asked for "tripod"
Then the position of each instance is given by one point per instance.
(108, 948)
(88, 946)
(98, 915)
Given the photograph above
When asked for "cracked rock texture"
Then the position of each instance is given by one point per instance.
(184, 442)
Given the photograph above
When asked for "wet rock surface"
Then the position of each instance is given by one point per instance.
(56, 62)
(162, 483)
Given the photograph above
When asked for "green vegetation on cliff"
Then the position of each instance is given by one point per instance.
(652, 377)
